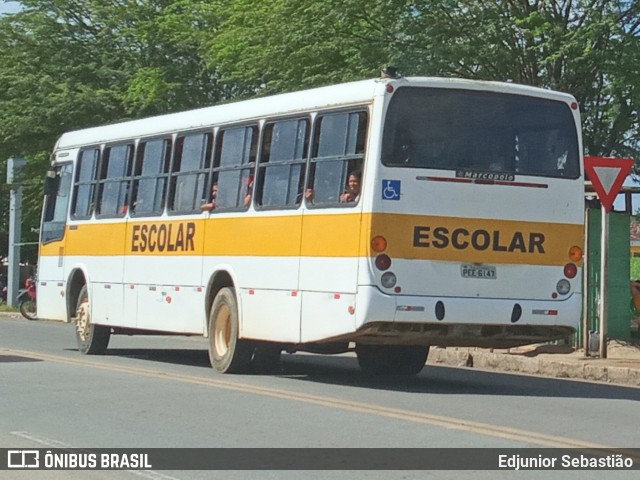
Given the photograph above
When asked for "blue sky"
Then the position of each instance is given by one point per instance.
(635, 199)
(8, 6)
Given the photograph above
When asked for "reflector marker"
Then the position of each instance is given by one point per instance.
(409, 308)
(544, 312)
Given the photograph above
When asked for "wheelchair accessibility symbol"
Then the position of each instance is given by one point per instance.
(391, 189)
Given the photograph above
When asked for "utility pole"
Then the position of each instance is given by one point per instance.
(15, 229)
(604, 282)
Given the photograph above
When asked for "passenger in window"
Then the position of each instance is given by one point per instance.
(247, 198)
(352, 192)
(211, 204)
(308, 195)
(125, 206)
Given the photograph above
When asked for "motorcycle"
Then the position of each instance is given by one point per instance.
(27, 300)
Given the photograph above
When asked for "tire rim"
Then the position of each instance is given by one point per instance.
(82, 325)
(222, 330)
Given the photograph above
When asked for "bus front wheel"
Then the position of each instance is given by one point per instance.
(391, 359)
(92, 339)
(227, 353)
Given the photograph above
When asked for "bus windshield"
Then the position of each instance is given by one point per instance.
(478, 131)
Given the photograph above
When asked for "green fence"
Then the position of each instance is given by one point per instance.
(618, 291)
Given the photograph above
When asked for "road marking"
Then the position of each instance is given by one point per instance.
(49, 442)
(451, 423)
(52, 443)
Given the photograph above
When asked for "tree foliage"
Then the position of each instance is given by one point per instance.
(70, 64)
(590, 48)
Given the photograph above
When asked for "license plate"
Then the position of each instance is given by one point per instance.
(478, 271)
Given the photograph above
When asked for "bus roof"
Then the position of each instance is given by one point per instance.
(344, 94)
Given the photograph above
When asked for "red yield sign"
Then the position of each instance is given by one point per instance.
(607, 175)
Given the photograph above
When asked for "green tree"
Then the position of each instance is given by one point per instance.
(590, 48)
(69, 65)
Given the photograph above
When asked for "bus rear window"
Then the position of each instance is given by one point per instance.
(466, 130)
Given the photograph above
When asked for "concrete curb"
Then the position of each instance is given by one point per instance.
(559, 366)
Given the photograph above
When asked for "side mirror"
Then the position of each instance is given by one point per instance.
(51, 183)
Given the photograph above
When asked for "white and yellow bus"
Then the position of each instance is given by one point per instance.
(392, 213)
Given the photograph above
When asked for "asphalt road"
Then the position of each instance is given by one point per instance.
(150, 392)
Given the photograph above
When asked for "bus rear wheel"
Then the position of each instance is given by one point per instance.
(92, 339)
(227, 353)
(391, 359)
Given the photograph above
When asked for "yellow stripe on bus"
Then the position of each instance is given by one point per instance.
(329, 235)
(324, 235)
(477, 240)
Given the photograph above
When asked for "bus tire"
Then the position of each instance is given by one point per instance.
(92, 339)
(227, 353)
(391, 359)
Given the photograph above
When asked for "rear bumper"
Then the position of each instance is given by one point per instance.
(459, 321)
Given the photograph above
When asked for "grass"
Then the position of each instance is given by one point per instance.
(6, 308)
(635, 268)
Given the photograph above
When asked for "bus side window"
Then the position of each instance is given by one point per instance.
(113, 185)
(150, 177)
(189, 174)
(281, 172)
(233, 167)
(338, 150)
(56, 203)
(85, 183)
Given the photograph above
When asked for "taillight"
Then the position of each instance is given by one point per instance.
(575, 253)
(563, 286)
(383, 262)
(388, 279)
(570, 270)
(378, 244)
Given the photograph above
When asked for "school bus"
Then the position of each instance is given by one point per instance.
(381, 216)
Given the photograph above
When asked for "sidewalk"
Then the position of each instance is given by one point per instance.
(622, 365)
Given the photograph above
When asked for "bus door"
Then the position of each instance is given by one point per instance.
(52, 281)
(331, 225)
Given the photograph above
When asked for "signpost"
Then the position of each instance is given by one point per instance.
(607, 176)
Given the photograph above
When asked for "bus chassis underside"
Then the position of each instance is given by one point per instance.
(455, 335)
